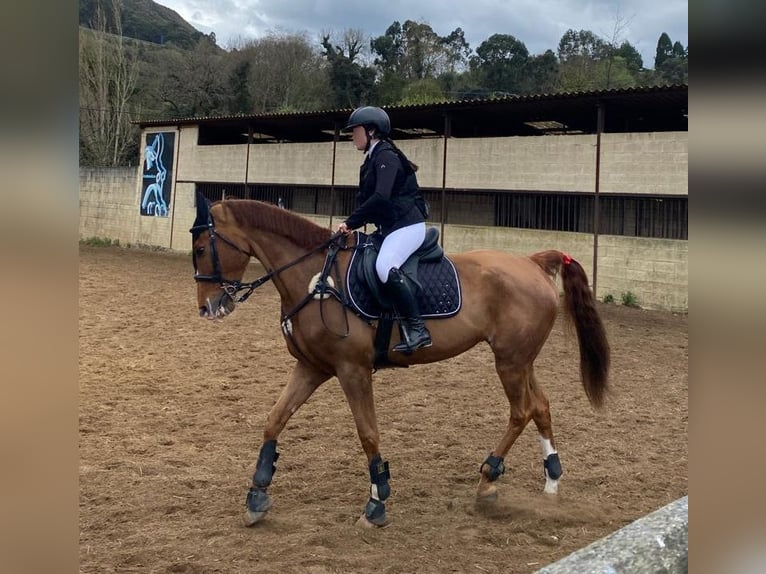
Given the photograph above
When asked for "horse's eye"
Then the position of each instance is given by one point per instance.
(199, 251)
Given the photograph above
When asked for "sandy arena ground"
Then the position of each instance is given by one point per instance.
(171, 415)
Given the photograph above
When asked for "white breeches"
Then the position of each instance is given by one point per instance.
(397, 247)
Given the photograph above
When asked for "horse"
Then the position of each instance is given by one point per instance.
(508, 301)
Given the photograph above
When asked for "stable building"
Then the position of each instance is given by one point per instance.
(601, 175)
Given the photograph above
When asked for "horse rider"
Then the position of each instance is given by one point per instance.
(387, 197)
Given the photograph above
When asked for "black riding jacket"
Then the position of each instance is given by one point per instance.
(387, 191)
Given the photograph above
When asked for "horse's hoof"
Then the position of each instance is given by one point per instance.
(551, 487)
(486, 503)
(486, 494)
(253, 517)
(363, 522)
(258, 503)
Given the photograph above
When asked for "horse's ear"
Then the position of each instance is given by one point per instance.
(203, 210)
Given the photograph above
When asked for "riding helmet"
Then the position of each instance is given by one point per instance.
(370, 116)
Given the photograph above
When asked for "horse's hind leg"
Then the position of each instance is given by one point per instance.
(541, 414)
(304, 380)
(515, 384)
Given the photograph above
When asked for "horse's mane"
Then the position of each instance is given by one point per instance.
(270, 218)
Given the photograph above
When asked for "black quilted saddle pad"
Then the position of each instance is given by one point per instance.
(439, 298)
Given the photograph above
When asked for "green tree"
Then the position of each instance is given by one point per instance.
(457, 51)
(412, 52)
(389, 48)
(239, 100)
(679, 51)
(461, 86)
(194, 84)
(424, 91)
(284, 73)
(582, 58)
(671, 62)
(169, 74)
(616, 74)
(388, 52)
(350, 82)
(501, 61)
(673, 71)
(424, 55)
(633, 60)
(206, 82)
(541, 74)
(664, 50)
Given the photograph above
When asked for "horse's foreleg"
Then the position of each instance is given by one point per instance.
(304, 380)
(357, 386)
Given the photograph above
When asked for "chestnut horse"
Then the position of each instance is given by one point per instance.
(508, 301)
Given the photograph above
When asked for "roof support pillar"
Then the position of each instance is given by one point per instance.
(335, 138)
(447, 135)
(600, 111)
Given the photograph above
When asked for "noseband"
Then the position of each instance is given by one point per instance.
(230, 286)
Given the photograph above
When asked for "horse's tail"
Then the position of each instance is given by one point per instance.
(580, 309)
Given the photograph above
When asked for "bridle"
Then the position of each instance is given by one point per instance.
(231, 286)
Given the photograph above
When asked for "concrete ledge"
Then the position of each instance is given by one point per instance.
(658, 542)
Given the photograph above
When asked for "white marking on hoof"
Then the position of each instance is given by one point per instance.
(364, 523)
(313, 284)
(253, 517)
(551, 486)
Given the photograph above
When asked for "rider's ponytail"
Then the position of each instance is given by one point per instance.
(409, 167)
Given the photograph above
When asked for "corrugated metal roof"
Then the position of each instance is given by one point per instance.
(652, 108)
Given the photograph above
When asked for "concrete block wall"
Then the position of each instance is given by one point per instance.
(459, 238)
(654, 270)
(185, 213)
(552, 163)
(109, 209)
(109, 206)
(645, 163)
(428, 154)
(653, 163)
(293, 163)
(641, 163)
(208, 163)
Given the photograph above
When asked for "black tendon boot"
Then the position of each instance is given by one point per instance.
(414, 333)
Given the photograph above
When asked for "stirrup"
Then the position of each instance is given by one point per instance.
(404, 346)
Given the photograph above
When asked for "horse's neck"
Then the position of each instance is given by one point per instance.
(276, 252)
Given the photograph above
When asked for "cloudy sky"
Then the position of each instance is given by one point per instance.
(538, 23)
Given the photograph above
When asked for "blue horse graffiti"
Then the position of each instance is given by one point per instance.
(153, 202)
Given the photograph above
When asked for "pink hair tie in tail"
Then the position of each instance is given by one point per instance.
(566, 259)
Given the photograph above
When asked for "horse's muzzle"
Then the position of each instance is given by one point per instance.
(218, 307)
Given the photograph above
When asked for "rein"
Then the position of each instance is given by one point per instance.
(321, 288)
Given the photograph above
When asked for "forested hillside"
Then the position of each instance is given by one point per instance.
(142, 20)
(141, 60)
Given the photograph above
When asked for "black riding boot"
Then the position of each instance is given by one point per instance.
(414, 333)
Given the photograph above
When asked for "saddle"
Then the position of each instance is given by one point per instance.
(434, 275)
